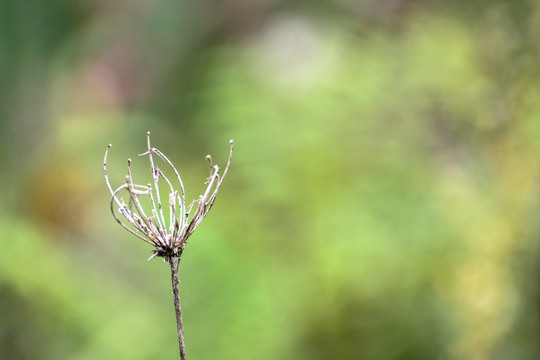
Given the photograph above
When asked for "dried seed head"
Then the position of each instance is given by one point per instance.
(168, 234)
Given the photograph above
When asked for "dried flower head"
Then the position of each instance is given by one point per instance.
(168, 234)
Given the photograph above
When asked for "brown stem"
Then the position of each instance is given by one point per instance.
(175, 262)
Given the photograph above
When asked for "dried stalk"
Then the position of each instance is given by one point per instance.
(168, 240)
(175, 262)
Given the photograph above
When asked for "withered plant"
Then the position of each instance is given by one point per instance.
(167, 233)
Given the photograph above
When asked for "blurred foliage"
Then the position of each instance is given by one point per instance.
(383, 197)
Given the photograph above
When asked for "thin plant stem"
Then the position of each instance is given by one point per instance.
(175, 262)
(169, 240)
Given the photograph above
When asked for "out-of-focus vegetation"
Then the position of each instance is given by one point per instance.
(382, 202)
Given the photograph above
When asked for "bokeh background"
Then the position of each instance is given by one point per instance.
(382, 201)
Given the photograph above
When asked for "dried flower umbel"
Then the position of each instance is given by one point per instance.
(168, 237)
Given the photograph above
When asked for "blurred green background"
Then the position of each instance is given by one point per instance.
(382, 201)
